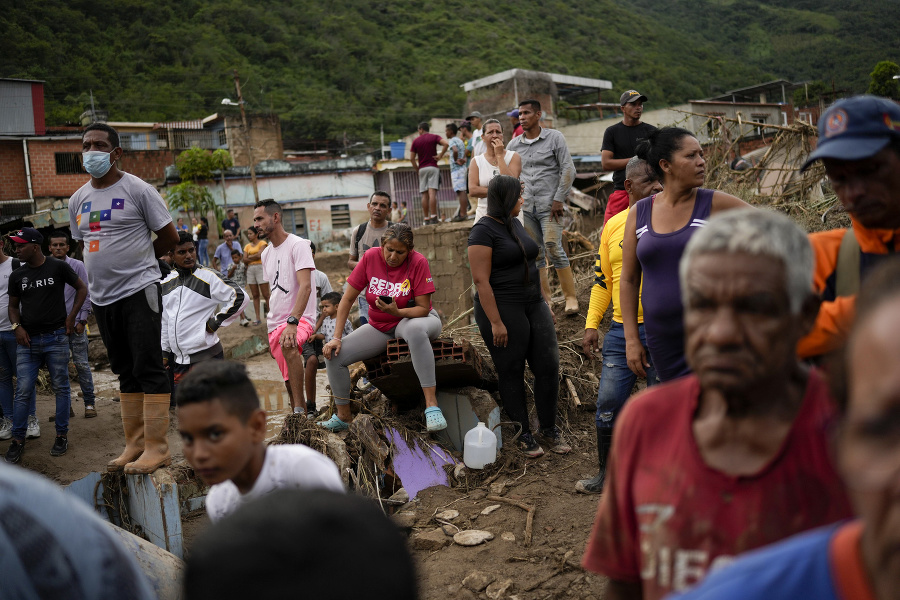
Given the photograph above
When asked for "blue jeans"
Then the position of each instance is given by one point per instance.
(8, 351)
(547, 232)
(616, 379)
(203, 252)
(51, 349)
(78, 345)
(363, 309)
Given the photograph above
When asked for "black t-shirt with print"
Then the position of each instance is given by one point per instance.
(507, 267)
(42, 294)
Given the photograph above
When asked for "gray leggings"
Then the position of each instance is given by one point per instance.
(367, 342)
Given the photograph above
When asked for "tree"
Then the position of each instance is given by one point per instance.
(221, 160)
(194, 165)
(883, 82)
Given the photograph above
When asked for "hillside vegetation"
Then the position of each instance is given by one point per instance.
(351, 66)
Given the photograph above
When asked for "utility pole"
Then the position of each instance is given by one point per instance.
(237, 87)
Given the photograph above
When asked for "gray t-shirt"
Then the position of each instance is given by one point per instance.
(115, 224)
(371, 238)
(5, 270)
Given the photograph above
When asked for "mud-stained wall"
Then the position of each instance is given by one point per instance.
(446, 248)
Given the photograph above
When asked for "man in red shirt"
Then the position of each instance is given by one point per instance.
(422, 154)
(736, 455)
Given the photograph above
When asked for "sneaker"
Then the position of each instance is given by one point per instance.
(14, 454)
(5, 428)
(89, 411)
(34, 428)
(457, 218)
(529, 447)
(553, 438)
(59, 446)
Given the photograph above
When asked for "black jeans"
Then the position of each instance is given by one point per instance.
(532, 338)
(131, 329)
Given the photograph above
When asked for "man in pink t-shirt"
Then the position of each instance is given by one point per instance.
(287, 266)
(736, 455)
(424, 157)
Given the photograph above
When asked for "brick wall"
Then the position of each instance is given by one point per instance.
(149, 165)
(446, 248)
(44, 179)
(12, 172)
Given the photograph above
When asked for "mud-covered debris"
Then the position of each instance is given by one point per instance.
(478, 580)
(490, 509)
(431, 540)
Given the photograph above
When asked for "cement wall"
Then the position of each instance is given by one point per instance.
(446, 248)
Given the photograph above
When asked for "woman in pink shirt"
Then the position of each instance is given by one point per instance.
(398, 285)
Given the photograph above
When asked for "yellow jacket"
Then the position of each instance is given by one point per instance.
(608, 269)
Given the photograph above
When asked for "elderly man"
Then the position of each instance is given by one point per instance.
(859, 144)
(855, 559)
(547, 173)
(736, 455)
(616, 379)
(222, 258)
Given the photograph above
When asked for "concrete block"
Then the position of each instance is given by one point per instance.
(463, 409)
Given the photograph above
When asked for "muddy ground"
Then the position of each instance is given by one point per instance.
(546, 568)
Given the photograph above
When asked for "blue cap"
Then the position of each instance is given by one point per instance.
(856, 128)
(513, 113)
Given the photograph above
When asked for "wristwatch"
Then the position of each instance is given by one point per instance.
(292, 320)
(15, 326)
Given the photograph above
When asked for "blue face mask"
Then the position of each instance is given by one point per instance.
(96, 163)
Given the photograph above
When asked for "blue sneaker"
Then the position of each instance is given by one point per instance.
(334, 424)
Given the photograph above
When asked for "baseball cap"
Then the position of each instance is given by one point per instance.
(475, 113)
(631, 96)
(513, 113)
(27, 235)
(856, 128)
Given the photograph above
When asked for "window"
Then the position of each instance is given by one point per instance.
(295, 222)
(340, 216)
(760, 118)
(68, 163)
(713, 123)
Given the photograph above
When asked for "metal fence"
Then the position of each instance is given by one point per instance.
(404, 186)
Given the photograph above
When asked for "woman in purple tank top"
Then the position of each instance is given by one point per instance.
(656, 232)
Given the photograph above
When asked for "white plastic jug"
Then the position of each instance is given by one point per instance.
(480, 447)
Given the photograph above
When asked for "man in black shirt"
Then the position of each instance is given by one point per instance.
(232, 223)
(619, 144)
(37, 311)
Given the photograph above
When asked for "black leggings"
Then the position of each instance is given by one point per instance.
(532, 338)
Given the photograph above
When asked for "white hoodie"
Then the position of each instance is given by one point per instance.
(190, 302)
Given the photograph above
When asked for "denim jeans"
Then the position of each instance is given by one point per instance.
(616, 379)
(203, 252)
(51, 349)
(363, 309)
(8, 351)
(78, 345)
(547, 232)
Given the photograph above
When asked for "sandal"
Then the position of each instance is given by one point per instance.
(434, 419)
(335, 424)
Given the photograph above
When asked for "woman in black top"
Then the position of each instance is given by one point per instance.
(512, 315)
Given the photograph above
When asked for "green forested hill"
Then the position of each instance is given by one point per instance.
(351, 65)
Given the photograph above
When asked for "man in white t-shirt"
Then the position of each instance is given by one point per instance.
(114, 217)
(224, 431)
(476, 119)
(287, 266)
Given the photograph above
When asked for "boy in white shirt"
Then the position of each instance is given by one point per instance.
(223, 429)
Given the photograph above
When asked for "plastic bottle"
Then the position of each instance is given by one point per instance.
(480, 447)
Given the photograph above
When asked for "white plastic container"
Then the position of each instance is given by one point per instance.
(480, 447)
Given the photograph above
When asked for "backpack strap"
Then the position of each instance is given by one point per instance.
(846, 280)
(359, 233)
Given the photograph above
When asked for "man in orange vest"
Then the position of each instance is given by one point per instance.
(859, 144)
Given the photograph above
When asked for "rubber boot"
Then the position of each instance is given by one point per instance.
(594, 485)
(567, 283)
(133, 421)
(545, 281)
(156, 446)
